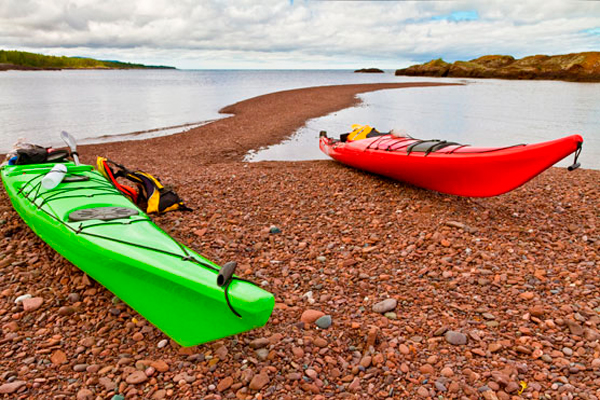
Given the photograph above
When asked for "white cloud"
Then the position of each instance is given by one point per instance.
(278, 34)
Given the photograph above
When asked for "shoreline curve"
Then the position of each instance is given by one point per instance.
(256, 122)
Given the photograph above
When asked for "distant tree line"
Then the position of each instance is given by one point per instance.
(40, 61)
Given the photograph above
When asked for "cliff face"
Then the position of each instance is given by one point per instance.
(580, 67)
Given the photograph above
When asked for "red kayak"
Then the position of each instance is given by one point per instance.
(449, 167)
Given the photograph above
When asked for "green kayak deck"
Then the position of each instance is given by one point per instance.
(169, 284)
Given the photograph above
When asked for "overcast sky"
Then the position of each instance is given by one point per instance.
(297, 33)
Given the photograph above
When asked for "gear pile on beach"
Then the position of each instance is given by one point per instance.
(382, 290)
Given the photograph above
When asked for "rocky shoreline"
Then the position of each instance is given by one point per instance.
(577, 67)
(13, 67)
(382, 290)
(10, 67)
(25, 61)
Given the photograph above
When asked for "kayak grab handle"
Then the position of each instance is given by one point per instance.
(575, 164)
(225, 273)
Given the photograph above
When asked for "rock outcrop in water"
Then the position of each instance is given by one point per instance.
(370, 71)
(579, 67)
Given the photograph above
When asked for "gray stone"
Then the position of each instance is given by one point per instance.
(324, 322)
(547, 358)
(80, 367)
(262, 354)
(385, 306)
(114, 311)
(455, 338)
(567, 351)
(390, 315)
(73, 297)
(416, 338)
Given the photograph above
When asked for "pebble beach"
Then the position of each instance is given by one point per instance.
(383, 290)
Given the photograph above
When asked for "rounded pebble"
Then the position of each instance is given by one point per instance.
(324, 322)
(455, 338)
(385, 306)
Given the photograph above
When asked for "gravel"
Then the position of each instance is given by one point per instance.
(536, 274)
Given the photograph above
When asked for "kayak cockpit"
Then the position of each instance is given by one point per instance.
(392, 142)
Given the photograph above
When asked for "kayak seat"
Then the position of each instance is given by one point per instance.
(102, 213)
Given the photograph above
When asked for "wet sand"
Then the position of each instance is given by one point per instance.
(480, 294)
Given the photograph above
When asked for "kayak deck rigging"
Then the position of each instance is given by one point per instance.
(109, 189)
(87, 219)
(389, 142)
(446, 166)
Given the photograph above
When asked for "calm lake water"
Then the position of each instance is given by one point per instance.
(481, 113)
(99, 106)
(37, 105)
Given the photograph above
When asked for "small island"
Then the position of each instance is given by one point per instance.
(577, 67)
(369, 71)
(21, 60)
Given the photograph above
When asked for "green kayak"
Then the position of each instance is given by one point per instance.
(92, 225)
